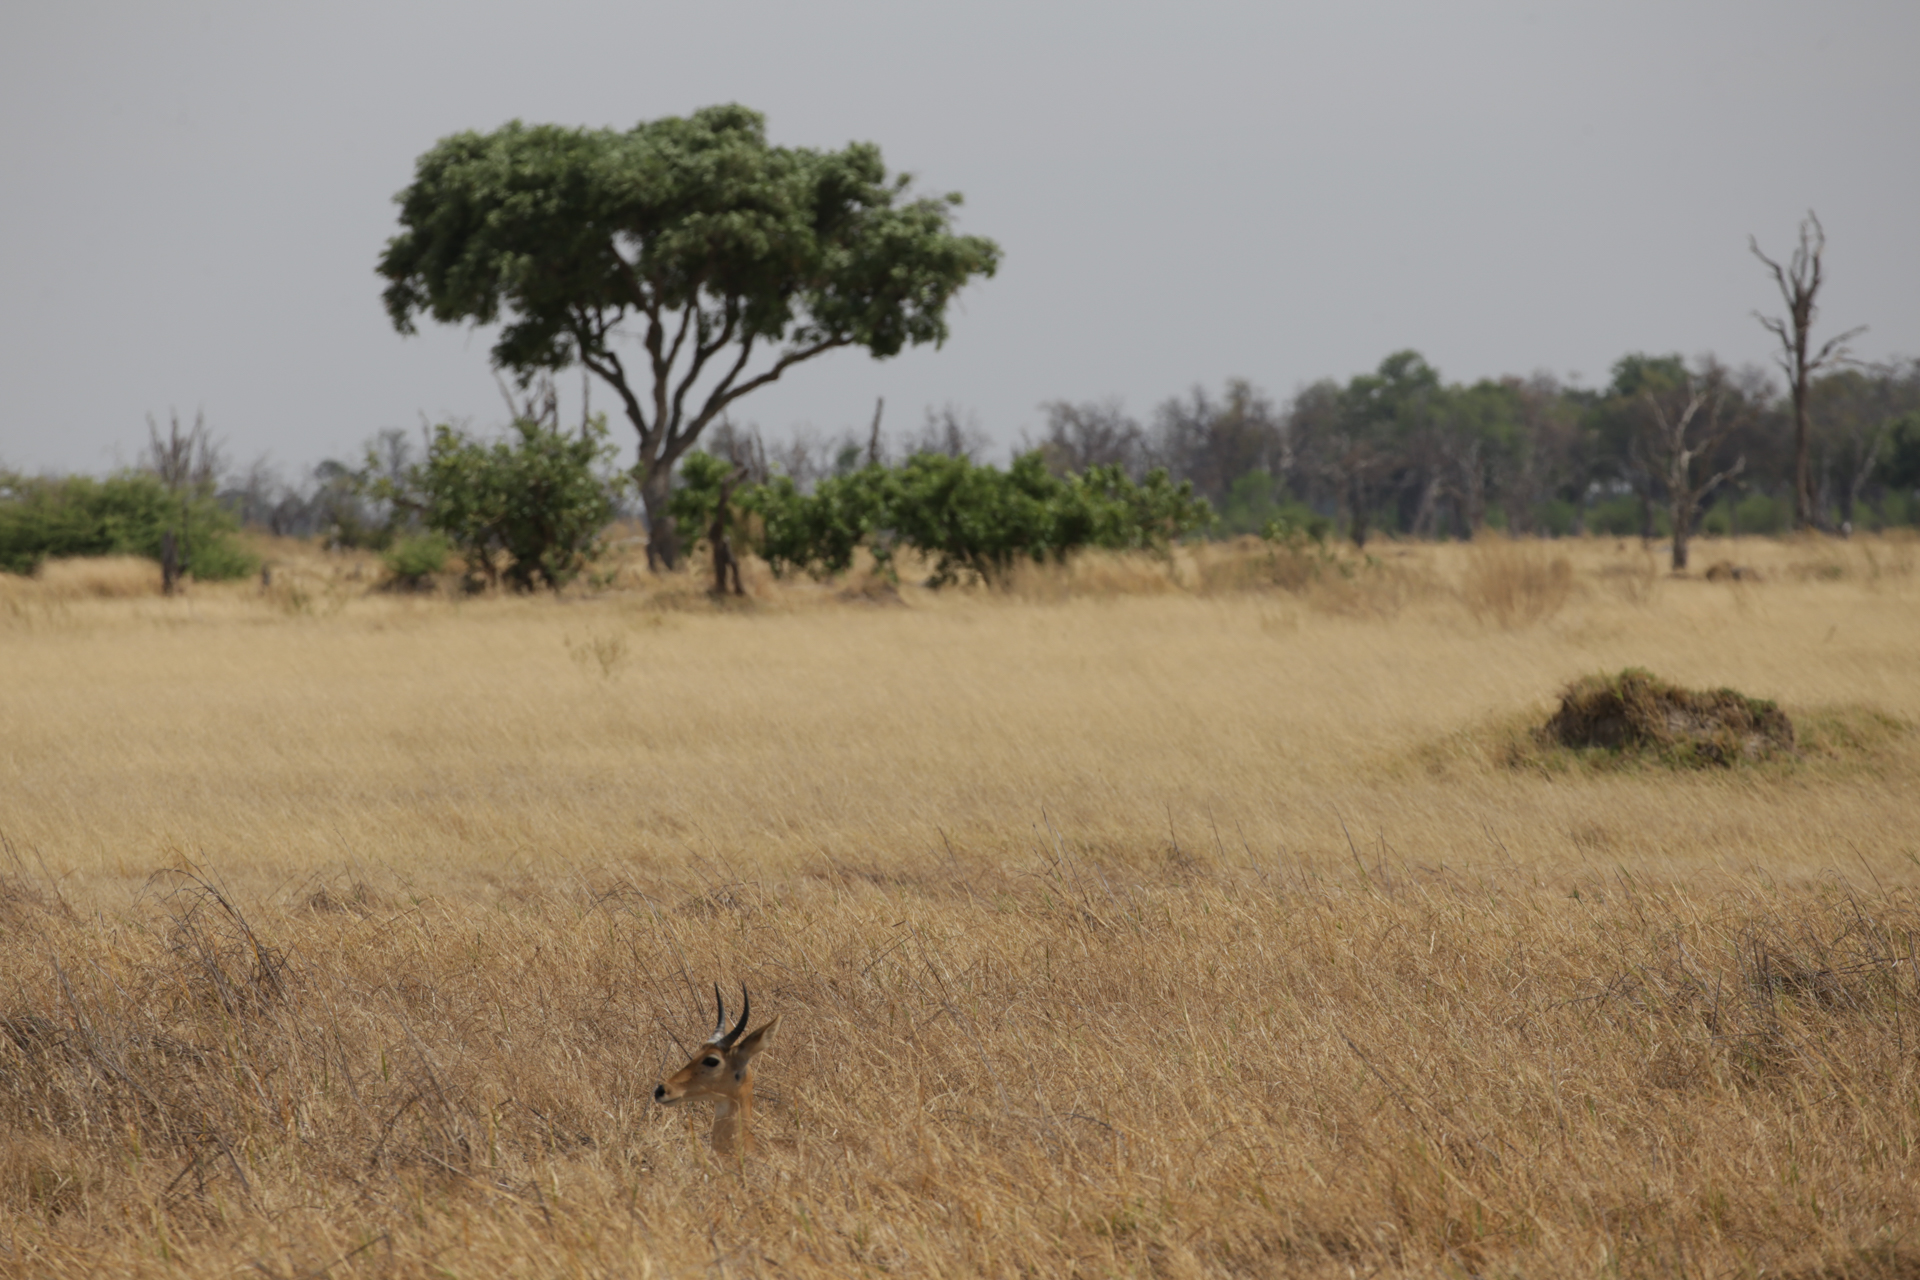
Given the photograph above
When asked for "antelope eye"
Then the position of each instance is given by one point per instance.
(709, 1062)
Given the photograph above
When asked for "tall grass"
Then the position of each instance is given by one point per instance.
(1117, 925)
(1516, 584)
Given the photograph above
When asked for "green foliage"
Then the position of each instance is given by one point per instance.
(716, 245)
(1295, 525)
(1556, 516)
(696, 494)
(1900, 459)
(970, 520)
(125, 514)
(536, 501)
(414, 559)
(1757, 514)
(819, 532)
(532, 221)
(1254, 501)
(1620, 516)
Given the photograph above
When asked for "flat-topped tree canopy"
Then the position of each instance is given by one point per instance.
(730, 260)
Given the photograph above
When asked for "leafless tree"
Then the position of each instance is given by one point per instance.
(1213, 443)
(1092, 434)
(1689, 424)
(188, 463)
(948, 430)
(1799, 283)
(185, 461)
(743, 447)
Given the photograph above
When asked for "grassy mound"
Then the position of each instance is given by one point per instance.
(1636, 711)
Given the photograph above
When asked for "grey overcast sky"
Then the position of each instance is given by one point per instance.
(194, 194)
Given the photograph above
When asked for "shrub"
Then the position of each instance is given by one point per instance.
(819, 532)
(970, 520)
(1762, 514)
(127, 514)
(413, 560)
(529, 508)
(1620, 517)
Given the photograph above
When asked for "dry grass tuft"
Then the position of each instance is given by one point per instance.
(1514, 584)
(1329, 578)
(93, 578)
(1096, 575)
(102, 578)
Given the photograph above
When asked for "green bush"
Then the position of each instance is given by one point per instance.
(1557, 517)
(819, 532)
(412, 560)
(529, 509)
(127, 514)
(1619, 517)
(1759, 513)
(970, 520)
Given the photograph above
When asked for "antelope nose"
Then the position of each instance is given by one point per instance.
(660, 1093)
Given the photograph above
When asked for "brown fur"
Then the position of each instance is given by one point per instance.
(723, 1076)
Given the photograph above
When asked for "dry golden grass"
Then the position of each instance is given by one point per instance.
(1136, 919)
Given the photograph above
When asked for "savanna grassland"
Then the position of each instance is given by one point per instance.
(1212, 919)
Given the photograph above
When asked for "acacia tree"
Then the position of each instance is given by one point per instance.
(725, 261)
(1799, 283)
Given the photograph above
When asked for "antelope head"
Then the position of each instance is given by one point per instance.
(722, 1073)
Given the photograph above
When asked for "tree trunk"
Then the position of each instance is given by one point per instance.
(1682, 517)
(1803, 517)
(1356, 510)
(663, 543)
(169, 562)
(724, 560)
(1423, 515)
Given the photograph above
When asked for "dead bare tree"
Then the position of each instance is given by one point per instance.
(1092, 434)
(188, 464)
(1799, 283)
(1688, 427)
(945, 431)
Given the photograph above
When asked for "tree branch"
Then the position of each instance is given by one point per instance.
(704, 351)
(1835, 349)
(606, 363)
(722, 396)
(663, 369)
(1779, 275)
(1700, 495)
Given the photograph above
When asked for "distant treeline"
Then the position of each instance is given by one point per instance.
(1398, 451)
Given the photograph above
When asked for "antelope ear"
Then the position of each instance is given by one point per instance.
(749, 1045)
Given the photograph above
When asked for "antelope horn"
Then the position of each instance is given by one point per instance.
(719, 1018)
(746, 1007)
